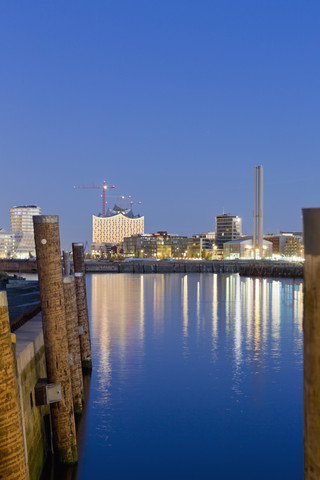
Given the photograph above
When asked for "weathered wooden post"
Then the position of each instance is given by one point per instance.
(73, 342)
(66, 262)
(47, 240)
(83, 318)
(12, 455)
(311, 332)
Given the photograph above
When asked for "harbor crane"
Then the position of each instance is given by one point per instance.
(122, 197)
(104, 187)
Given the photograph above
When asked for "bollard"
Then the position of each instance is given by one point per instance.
(70, 304)
(47, 240)
(83, 318)
(311, 332)
(66, 262)
(78, 257)
(12, 454)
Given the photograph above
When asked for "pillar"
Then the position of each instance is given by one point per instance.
(47, 240)
(12, 454)
(311, 345)
(66, 262)
(81, 294)
(73, 342)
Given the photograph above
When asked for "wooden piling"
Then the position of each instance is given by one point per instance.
(81, 294)
(73, 342)
(66, 262)
(12, 454)
(311, 332)
(47, 240)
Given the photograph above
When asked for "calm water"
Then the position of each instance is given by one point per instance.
(195, 377)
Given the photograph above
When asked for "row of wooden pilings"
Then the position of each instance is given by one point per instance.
(67, 349)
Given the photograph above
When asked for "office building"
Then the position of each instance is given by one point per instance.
(201, 245)
(21, 219)
(228, 228)
(156, 245)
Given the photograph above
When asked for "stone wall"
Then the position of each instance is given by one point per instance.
(31, 367)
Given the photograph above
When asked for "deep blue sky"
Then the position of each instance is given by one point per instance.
(174, 101)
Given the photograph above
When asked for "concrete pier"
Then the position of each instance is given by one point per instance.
(73, 342)
(81, 294)
(12, 454)
(47, 240)
(311, 331)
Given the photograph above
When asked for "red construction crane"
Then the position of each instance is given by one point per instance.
(133, 203)
(103, 187)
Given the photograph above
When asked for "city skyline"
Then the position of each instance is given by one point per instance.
(172, 103)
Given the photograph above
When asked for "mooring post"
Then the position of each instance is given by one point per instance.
(47, 240)
(81, 294)
(12, 454)
(66, 262)
(73, 342)
(311, 350)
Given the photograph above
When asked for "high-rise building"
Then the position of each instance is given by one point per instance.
(228, 228)
(22, 228)
(117, 224)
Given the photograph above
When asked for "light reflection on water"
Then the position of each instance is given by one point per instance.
(195, 376)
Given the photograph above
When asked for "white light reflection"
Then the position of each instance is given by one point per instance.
(185, 305)
(257, 285)
(198, 306)
(141, 323)
(275, 312)
(236, 384)
(214, 312)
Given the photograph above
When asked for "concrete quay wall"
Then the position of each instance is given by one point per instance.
(31, 366)
(244, 268)
(21, 266)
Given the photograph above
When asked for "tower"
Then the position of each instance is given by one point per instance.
(257, 242)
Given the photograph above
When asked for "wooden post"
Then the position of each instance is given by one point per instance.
(81, 294)
(47, 240)
(73, 342)
(12, 454)
(311, 332)
(66, 262)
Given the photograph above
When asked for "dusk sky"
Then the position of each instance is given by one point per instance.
(174, 102)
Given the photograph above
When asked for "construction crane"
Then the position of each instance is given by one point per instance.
(104, 188)
(133, 203)
(122, 197)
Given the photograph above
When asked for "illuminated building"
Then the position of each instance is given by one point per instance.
(159, 245)
(22, 228)
(200, 243)
(228, 228)
(243, 248)
(288, 244)
(117, 224)
(7, 242)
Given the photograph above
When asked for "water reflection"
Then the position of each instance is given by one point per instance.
(187, 364)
